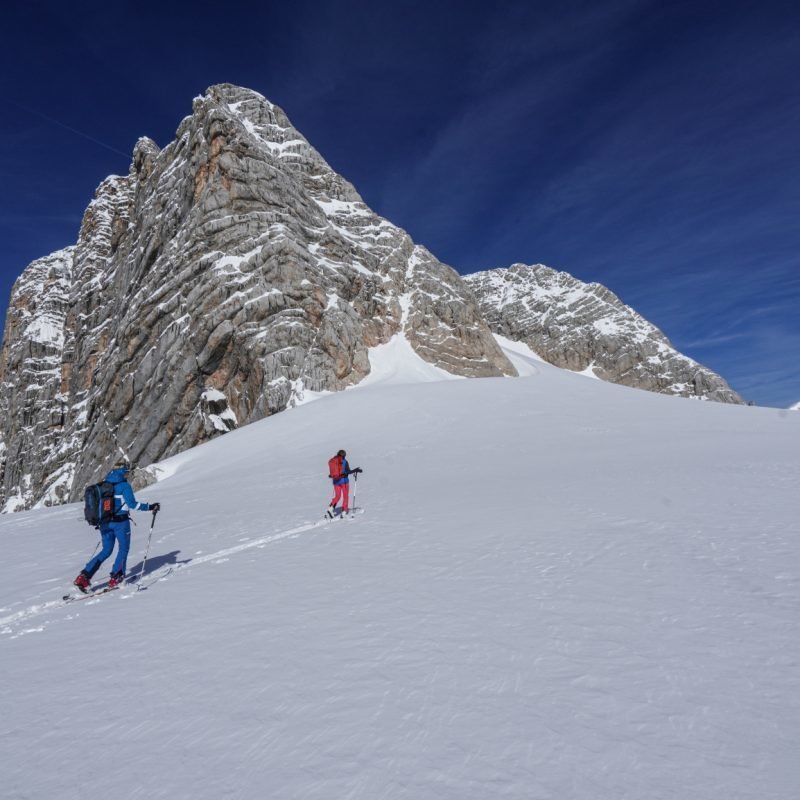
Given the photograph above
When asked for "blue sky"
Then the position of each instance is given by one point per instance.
(653, 147)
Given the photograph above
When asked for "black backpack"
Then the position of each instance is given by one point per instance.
(98, 503)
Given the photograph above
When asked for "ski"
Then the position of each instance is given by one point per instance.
(72, 598)
(134, 580)
(328, 517)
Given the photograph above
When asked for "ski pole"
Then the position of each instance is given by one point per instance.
(147, 549)
(355, 484)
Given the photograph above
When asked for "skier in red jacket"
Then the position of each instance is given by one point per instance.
(338, 472)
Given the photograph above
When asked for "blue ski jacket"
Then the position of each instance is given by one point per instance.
(345, 473)
(124, 499)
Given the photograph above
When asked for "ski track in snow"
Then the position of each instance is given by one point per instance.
(9, 624)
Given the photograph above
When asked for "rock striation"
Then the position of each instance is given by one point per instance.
(33, 405)
(220, 281)
(586, 327)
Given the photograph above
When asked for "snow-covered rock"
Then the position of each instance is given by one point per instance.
(234, 261)
(33, 404)
(587, 328)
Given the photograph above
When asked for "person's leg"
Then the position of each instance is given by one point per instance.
(345, 497)
(93, 565)
(122, 531)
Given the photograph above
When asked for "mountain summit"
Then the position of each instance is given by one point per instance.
(227, 277)
(220, 281)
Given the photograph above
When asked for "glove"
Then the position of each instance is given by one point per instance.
(154, 507)
(356, 470)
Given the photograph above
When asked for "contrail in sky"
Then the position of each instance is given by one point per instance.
(73, 130)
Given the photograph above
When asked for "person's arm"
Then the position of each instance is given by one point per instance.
(129, 500)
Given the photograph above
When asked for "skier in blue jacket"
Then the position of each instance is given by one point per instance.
(117, 529)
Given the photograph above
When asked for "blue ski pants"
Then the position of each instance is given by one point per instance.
(111, 532)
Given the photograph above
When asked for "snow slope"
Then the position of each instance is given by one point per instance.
(560, 588)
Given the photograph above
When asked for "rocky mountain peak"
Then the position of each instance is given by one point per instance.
(224, 278)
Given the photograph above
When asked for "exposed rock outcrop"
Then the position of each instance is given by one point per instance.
(33, 406)
(582, 326)
(222, 278)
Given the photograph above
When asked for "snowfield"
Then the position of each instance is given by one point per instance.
(559, 588)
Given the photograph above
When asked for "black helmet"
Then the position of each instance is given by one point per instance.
(341, 453)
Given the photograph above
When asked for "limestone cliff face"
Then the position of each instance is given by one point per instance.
(33, 406)
(582, 326)
(216, 283)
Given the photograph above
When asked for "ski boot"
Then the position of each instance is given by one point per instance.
(82, 583)
(116, 579)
